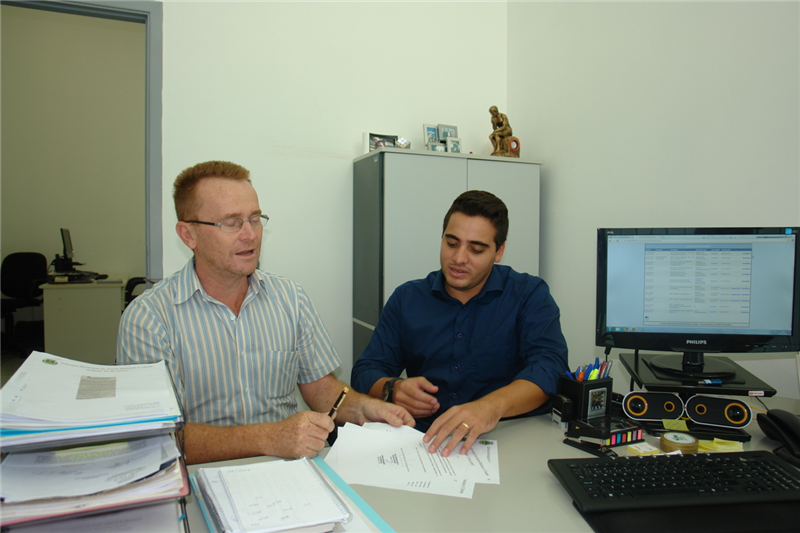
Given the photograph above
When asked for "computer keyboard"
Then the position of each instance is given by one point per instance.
(600, 484)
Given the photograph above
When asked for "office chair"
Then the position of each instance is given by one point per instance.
(20, 276)
(129, 288)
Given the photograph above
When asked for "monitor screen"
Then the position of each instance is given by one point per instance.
(67, 241)
(698, 290)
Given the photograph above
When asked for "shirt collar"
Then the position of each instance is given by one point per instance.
(493, 285)
(189, 284)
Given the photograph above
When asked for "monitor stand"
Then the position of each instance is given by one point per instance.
(693, 365)
(650, 377)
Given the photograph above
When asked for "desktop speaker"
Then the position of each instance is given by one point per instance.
(718, 411)
(641, 405)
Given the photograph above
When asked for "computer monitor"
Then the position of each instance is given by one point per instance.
(66, 240)
(697, 291)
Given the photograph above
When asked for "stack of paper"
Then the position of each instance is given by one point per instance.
(270, 497)
(129, 412)
(49, 485)
(395, 457)
(51, 399)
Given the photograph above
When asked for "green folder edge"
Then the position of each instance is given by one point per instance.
(370, 514)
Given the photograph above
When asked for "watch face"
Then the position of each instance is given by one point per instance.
(386, 389)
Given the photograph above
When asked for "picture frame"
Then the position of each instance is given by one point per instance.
(446, 131)
(377, 141)
(453, 145)
(437, 147)
(430, 132)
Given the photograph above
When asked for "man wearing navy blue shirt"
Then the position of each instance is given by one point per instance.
(478, 341)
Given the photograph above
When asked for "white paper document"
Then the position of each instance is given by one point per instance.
(384, 456)
(53, 398)
(83, 471)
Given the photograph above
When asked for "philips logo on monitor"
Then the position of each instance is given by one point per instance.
(688, 341)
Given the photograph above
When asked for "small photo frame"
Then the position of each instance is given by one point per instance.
(437, 147)
(446, 131)
(453, 145)
(377, 142)
(430, 132)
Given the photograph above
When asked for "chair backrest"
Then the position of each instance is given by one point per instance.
(21, 274)
(129, 288)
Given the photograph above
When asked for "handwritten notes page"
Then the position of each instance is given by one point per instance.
(275, 496)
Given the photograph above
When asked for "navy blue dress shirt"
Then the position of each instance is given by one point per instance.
(509, 331)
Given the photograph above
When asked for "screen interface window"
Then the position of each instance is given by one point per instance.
(706, 283)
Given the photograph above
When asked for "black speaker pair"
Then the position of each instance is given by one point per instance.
(709, 410)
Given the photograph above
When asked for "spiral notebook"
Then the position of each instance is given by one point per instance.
(271, 497)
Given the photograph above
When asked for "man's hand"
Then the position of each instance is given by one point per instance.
(472, 419)
(373, 410)
(301, 435)
(468, 420)
(416, 396)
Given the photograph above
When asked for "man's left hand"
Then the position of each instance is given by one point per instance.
(374, 410)
(466, 421)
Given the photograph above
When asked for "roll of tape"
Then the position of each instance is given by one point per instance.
(675, 440)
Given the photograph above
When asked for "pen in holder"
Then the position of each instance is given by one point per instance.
(591, 398)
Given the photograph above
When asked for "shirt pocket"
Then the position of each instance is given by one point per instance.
(274, 372)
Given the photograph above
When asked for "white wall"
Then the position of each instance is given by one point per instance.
(645, 114)
(287, 89)
(73, 100)
(655, 114)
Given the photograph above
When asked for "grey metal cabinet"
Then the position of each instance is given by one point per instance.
(400, 198)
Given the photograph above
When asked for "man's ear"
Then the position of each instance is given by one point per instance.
(186, 233)
(499, 255)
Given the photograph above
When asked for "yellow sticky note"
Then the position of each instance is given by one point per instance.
(675, 425)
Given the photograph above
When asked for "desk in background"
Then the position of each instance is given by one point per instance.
(529, 497)
(81, 320)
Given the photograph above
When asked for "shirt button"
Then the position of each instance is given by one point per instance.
(459, 335)
(454, 396)
(456, 367)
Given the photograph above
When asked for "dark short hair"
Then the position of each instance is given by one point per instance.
(185, 184)
(483, 204)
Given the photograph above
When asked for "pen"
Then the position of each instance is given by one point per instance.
(593, 375)
(602, 369)
(608, 369)
(580, 374)
(339, 401)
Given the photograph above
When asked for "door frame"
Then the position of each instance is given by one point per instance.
(149, 13)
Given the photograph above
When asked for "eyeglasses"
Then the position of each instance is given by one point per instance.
(232, 225)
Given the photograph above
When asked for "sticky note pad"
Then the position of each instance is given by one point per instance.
(643, 448)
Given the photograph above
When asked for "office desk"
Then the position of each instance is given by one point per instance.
(528, 498)
(81, 320)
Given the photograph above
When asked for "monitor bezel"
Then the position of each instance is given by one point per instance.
(676, 342)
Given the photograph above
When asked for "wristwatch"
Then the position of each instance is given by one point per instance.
(388, 390)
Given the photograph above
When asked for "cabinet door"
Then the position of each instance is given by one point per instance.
(517, 184)
(418, 191)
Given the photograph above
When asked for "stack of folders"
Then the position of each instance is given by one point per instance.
(276, 496)
(52, 400)
(90, 448)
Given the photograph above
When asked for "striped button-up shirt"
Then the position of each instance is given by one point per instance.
(229, 369)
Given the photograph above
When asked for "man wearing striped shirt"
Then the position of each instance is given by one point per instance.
(238, 340)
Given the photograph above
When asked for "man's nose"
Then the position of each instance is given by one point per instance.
(247, 233)
(461, 256)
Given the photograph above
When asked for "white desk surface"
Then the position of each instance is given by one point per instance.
(528, 498)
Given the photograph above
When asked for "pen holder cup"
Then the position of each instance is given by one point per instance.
(590, 398)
